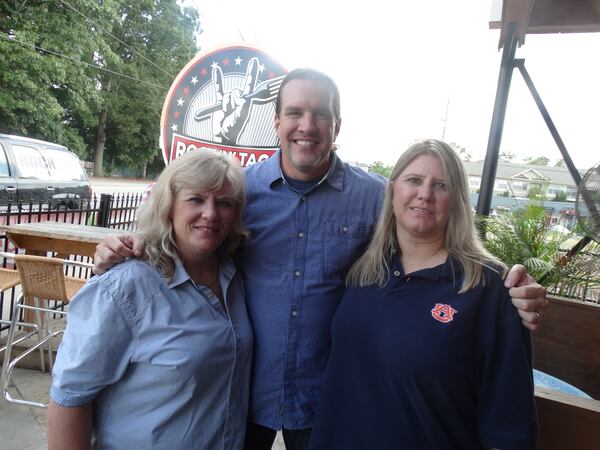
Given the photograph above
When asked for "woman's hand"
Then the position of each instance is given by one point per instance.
(527, 295)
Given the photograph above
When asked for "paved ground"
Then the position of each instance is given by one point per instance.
(108, 185)
(23, 428)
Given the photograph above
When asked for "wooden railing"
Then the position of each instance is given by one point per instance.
(567, 345)
(567, 422)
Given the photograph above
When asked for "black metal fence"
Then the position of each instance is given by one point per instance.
(109, 210)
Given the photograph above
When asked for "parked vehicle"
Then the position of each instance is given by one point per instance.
(40, 172)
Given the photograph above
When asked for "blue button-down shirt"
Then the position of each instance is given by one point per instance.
(165, 364)
(294, 264)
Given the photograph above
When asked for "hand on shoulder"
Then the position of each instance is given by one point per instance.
(114, 249)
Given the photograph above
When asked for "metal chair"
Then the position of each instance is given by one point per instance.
(42, 279)
(9, 278)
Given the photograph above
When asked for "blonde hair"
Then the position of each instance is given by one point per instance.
(205, 171)
(461, 238)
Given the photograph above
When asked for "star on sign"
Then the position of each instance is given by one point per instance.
(180, 102)
(174, 127)
(214, 65)
(261, 68)
(238, 61)
(194, 80)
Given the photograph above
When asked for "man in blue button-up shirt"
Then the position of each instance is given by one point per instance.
(310, 216)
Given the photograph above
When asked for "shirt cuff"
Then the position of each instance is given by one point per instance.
(68, 400)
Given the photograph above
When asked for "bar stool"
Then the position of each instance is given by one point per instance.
(42, 279)
(9, 278)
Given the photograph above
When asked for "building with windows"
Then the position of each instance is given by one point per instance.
(516, 180)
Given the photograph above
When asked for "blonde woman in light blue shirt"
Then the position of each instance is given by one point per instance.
(157, 350)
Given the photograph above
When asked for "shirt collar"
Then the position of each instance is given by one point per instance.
(226, 270)
(450, 270)
(335, 176)
(180, 275)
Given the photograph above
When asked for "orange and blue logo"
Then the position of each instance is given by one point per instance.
(443, 313)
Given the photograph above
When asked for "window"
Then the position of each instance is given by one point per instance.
(30, 162)
(520, 185)
(474, 182)
(4, 172)
(63, 165)
(501, 185)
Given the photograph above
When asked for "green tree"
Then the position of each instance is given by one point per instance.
(65, 78)
(463, 153)
(378, 167)
(155, 40)
(560, 163)
(540, 161)
(506, 156)
(560, 196)
(537, 191)
(46, 89)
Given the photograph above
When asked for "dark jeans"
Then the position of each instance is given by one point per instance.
(262, 438)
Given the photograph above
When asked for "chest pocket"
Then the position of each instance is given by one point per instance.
(343, 243)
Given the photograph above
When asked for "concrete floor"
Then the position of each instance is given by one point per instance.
(21, 427)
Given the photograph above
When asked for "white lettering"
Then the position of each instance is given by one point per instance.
(242, 156)
(246, 158)
(180, 149)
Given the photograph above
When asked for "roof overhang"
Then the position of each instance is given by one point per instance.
(544, 16)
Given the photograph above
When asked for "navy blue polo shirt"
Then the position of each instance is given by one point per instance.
(415, 365)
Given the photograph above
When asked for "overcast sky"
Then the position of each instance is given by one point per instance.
(401, 65)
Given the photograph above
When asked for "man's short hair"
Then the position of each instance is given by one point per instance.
(312, 75)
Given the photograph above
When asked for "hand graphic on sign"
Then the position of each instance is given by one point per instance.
(230, 113)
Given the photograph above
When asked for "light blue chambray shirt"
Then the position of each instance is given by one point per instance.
(165, 365)
(294, 265)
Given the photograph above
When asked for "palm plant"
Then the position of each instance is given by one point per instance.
(524, 237)
(580, 276)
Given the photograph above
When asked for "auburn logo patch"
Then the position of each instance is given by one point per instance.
(443, 313)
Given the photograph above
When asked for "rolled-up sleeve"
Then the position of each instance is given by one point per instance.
(96, 348)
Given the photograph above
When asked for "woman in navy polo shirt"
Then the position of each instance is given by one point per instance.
(427, 351)
(157, 350)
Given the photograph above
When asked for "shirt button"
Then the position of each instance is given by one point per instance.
(407, 278)
(294, 313)
(345, 228)
(297, 273)
(301, 235)
(396, 273)
(303, 198)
